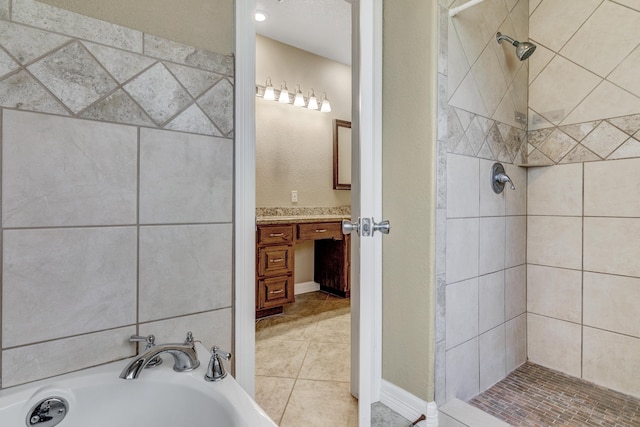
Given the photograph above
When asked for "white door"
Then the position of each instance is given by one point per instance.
(366, 206)
(367, 200)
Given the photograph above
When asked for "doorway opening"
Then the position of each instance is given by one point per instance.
(301, 253)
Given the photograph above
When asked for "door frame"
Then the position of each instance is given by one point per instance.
(368, 107)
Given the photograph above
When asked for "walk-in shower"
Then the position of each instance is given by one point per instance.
(523, 49)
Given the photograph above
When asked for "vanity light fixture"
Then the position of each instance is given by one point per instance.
(269, 93)
(284, 94)
(298, 101)
(326, 106)
(313, 102)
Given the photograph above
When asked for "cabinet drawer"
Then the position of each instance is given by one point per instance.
(320, 230)
(275, 260)
(274, 234)
(275, 291)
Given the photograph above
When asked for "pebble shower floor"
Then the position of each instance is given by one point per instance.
(536, 396)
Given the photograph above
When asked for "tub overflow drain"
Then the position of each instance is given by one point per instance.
(48, 412)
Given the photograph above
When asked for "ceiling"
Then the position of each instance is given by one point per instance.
(322, 27)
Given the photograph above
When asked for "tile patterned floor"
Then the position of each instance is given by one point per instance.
(303, 363)
(536, 396)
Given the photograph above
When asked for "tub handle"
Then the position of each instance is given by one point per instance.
(215, 370)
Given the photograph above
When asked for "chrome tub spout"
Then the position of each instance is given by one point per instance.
(184, 356)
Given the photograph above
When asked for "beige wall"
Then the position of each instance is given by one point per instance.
(294, 146)
(409, 141)
(207, 24)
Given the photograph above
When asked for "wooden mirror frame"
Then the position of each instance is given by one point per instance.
(337, 124)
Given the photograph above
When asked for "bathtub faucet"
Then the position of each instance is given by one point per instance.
(184, 356)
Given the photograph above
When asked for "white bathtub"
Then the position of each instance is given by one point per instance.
(160, 397)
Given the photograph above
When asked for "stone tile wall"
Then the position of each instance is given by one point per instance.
(583, 214)
(117, 186)
(584, 96)
(481, 236)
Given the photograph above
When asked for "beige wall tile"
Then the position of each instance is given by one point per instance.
(538, 61)
(490, 301)
(461, 312)
(184, 178)
(611, 360)
(618, 23)
(184, 269)
(515, 291)
(602, 236)
(463, 369)
(81, 173)
(516, 342)
(458, 65)
(559, 88)
(516, 241)
(212, 328)
(611, 303)
(554, 343)
(492, 348)
(463, 242)
(635, 4)
(516, 200)
(555, 190)
(24, 364)
(609, 186)
(463, 186)
(552, 23)
(64, 282)
(554, 292)
(607, 100)
(492, 244)
(554, 241)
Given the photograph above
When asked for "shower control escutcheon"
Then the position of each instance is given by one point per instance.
(499, 178)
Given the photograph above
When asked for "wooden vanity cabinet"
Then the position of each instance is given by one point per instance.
(274, 268)
(275, 261)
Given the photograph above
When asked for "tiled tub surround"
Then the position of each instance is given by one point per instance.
(63, 63)
(113, 221)
(584, 95)
(583, 275)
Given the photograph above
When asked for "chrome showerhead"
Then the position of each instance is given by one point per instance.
(523, 50)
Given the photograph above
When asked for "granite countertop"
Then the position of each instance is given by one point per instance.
(288, 215)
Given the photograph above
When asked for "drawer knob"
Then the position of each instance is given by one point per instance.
(276, 235)
(321, 230)
(277, 292)
(276, 260)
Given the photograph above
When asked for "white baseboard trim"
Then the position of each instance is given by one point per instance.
(402, 402)
(306, 287)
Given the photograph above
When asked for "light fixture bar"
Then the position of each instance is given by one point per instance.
(269, 93)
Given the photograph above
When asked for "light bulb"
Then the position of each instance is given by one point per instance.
(284, 94)
(313, 102)
(326, 106)
(260, 16)
(269, 93)
(299, 99)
